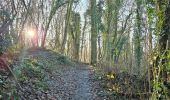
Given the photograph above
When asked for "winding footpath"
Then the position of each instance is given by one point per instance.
(64, 79)
(69, 82)
(74, 83)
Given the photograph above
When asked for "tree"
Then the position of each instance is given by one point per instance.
(75, 33)
(83, 35)
(109, 21)
(137, 36)
(93, 33)
(68, 14)
(55, 5)
(164, 41)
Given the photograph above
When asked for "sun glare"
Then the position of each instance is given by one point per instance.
(30, 33)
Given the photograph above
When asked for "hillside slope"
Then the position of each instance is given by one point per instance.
(46, 75)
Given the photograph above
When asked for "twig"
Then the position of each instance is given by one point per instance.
(14, 77)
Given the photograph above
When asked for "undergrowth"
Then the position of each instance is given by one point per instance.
(31, 74)
(120, 86)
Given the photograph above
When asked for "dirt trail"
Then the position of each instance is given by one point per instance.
(73, 83)
(70, 82)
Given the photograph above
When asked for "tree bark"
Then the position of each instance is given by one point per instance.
(69, 9)
(93, 33)
(164, 42)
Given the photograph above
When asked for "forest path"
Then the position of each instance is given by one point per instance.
(73, 83)
(68, 81)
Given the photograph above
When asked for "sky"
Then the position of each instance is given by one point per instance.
(81, 8)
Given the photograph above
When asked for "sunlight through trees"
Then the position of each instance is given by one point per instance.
(123, 41)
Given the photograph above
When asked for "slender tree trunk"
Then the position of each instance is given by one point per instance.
(83, 35)
(93, 33)
(68, 14)
(108, 33)
(115, 58)
(164, 41)
(137, 37)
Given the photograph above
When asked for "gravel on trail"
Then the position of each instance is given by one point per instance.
(73, 83)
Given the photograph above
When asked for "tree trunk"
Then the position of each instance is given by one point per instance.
(69, 9)
(164, 42)
(93, 33)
